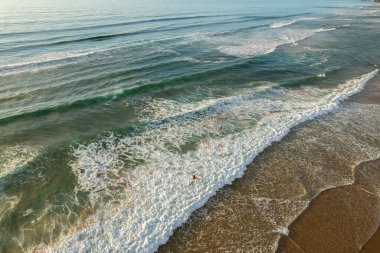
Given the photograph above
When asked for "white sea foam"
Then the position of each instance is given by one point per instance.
(370, 12)
(11, 159)
(14, 157)
(8, 203)
(267, 43)
(45, 61)
(289, 22)
(157, 186)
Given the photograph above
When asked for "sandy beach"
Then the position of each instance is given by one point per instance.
(324, 175)
(342, 219)
(372, 246)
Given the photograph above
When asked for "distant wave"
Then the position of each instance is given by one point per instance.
(268, 44)
(137, 22)
(43, 62)
(52, 60)
(57, 59)
(289, 22)
(274, 17)
(117, 94)
(112, 25)
(132, 33)
(122, 75)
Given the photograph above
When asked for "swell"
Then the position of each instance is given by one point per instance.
(139, 87)
(113, 25)
(116, 35)
(144, 31)
(112, 36)
(72, 58)
(276, 17)
(86, 77)
(111, 66)
(53, 61)
(40, 64)
(290, 22)
(6, 35)
(136, 89)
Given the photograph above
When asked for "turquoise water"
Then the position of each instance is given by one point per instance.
(117, 120)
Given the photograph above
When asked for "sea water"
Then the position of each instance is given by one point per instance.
(119, 119)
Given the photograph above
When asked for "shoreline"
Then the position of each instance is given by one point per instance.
(331, 223)
(372, 245)
(284, 205)
(315, 224)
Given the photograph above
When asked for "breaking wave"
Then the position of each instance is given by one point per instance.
(42, 62)
(262, 45)
(290, 22)
(148, 183)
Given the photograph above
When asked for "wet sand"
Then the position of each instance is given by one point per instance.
(343, 219)
(321, 182)
(373, 245)
(340, 219)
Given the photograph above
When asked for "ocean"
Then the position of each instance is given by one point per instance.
(119, 119)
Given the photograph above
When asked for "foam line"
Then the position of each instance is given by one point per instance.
(45, 61)
(289, 22)
(268, 44)
(15, 157)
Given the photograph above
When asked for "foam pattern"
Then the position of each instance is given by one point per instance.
(289, 22)
(148, 183)
(46, 61)
(14, 157)
(261, 44)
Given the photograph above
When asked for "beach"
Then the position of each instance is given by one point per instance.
(342, 219)
(314, 191)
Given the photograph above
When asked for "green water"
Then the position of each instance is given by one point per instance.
(92, 96)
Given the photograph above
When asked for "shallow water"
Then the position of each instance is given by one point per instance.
(255, 211)
(117, 120)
